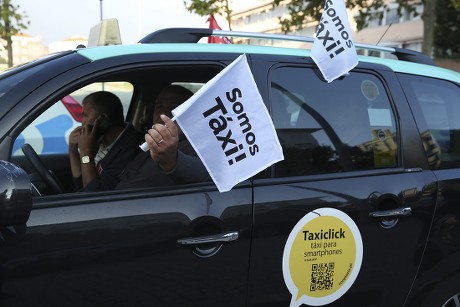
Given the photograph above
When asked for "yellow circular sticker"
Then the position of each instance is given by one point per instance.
(322, 257)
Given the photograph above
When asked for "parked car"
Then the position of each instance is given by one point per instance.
(377, 151)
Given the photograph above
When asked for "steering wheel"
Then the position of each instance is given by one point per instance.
(47, 176)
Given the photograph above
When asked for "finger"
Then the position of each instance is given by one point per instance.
(162, 132)
(86, 129)
(78, 129)
(95, 127)
(149, 140)
(155, 136)
(169, 124)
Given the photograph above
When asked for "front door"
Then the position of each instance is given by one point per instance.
(131, 248)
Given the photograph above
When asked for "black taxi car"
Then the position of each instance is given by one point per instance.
(378, 150)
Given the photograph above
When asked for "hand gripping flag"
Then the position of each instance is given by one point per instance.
(229, 127)
(333, 49)
(216, 39)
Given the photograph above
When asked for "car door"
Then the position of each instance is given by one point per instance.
(436, 107)
(348, 150)
(131, 248)
(186, 245)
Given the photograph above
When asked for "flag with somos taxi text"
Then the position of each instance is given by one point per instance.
(333, 49)
(229, 127)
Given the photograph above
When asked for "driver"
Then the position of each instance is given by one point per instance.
(102, 146)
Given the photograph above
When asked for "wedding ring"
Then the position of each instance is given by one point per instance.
(161, 141)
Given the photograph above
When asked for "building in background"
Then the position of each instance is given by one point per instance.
(391, 30)
(25, 49)
(261, 16)
(70, 43)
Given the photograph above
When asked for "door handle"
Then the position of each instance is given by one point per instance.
(218, 238)
(391, 213)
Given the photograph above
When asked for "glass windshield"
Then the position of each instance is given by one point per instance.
(13, 81)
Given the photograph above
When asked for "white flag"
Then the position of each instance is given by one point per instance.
(333, 49)
(229, 126)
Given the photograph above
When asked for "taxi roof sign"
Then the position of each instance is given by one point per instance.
(106, 32)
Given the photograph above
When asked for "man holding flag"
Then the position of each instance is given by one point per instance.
(230, 128)
(333, 49)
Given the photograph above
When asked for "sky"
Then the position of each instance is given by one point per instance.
(56, 20)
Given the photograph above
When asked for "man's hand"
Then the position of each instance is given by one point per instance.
(73, 139)
(163, 142)
(74, 155)
(87, 140)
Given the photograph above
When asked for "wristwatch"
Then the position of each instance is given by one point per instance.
(85, 159)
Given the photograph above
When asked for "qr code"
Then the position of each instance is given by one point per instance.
(322, 276)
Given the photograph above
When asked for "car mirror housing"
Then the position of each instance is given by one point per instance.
(15, 195)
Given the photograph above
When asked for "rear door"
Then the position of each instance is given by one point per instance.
(347, 149)
(436, 106)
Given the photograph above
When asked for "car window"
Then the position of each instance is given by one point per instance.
(192, 86)
(48, 129)
(324, 127)
(436, 105)
(49, 132)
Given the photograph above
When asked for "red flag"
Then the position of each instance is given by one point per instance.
(216, 39)
(75, 109)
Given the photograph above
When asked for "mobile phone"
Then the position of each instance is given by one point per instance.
(103, 125)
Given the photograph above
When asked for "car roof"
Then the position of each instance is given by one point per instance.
(104, 52)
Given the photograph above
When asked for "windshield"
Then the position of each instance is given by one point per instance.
(13, 80)
(19, 81)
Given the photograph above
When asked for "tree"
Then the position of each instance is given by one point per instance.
(11, 23)
(210, 7)
(446, 37)
(429, 20)
(303, 11)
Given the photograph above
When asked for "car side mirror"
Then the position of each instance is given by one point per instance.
(15, 195)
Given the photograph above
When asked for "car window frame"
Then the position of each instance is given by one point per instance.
(374, 70)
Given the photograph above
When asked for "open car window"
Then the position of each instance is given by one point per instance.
(48, 133)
